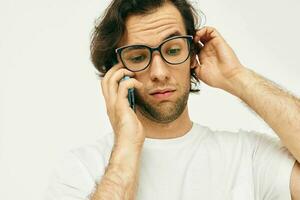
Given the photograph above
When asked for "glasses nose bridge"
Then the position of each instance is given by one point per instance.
(158, 48)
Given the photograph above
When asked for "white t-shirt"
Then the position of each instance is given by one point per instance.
(202, 164)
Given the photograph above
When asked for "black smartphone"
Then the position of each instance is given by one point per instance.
(130, 95)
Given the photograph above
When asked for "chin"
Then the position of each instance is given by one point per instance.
(164, 112)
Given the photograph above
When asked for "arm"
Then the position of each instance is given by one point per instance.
(121, 176)
(279, 109)
(219, 67)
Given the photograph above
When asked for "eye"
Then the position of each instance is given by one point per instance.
(174, 51)
(137, 59)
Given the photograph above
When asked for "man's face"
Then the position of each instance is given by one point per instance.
(166, 87)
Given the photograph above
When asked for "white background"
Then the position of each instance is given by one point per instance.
(50, 98)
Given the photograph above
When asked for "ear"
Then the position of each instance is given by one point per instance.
(194, 61)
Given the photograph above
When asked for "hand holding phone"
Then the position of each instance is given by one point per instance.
(119, 100)
(130, 91)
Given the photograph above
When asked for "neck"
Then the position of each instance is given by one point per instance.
(176, 128)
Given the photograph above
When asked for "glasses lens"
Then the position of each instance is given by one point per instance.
(136, 58)
(175, 51)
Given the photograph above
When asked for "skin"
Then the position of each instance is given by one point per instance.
(160, 74)
(219, 67)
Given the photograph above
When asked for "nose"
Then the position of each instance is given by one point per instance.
(159, 69)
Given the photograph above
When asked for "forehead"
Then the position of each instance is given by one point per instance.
(153, 28)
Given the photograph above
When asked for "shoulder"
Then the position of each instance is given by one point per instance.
(245, 137)
(240, 142)
(94, 157)
(80, 169)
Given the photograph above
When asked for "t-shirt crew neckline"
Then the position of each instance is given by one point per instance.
(173, 142)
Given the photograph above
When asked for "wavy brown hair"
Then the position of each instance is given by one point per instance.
(110, 27)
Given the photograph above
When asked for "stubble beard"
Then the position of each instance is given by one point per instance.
(164, 112)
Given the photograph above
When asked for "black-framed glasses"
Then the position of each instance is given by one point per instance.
(174, 50)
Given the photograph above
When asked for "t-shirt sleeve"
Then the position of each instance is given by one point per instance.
(71, 180)
(272, 167)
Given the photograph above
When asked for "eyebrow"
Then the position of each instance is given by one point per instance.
(176, 33)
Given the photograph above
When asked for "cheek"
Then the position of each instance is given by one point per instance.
(143, 80)
(185, 74)
(183, 80)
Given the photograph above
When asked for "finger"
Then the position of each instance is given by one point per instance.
(206, 34)
(123, 89)
(115, 79)
(105, 80)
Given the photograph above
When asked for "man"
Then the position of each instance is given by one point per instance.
(156, 151)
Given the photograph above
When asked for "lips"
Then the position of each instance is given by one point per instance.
(161, 91)
(162, 94)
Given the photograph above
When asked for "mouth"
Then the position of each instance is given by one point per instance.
(161, 94)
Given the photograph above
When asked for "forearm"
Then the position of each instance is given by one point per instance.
(279, 109)
(121, 176)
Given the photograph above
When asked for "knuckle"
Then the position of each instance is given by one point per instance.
(122, 72)
(117, 74)
(127, 83)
